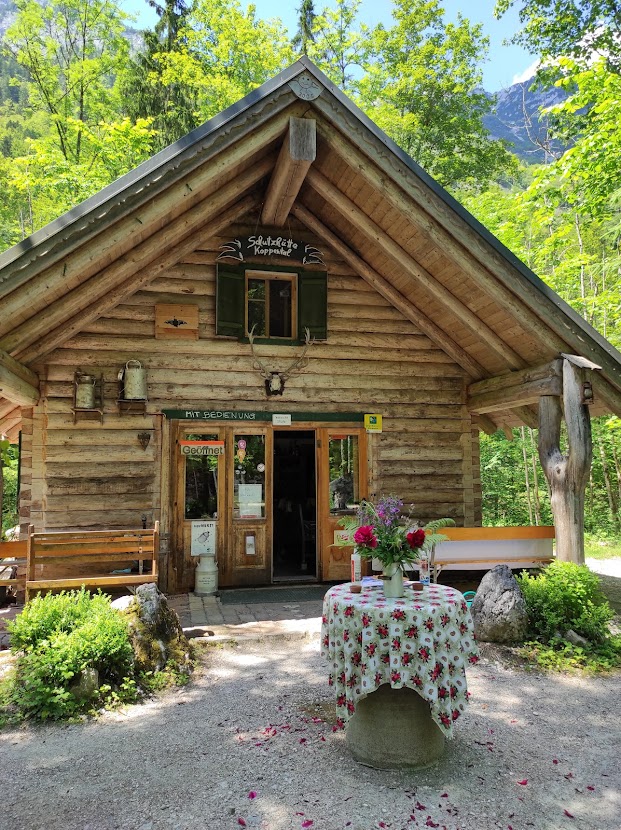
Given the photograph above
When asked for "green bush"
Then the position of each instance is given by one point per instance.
(57, 637)
(566, 596)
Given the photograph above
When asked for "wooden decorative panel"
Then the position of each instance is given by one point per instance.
(176, 322)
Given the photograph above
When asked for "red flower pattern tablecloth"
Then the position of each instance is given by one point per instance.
(423, 641)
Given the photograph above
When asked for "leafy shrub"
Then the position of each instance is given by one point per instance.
(60, 636)
(566, 596)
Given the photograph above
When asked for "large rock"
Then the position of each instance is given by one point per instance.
(155, 631)
(499, 610)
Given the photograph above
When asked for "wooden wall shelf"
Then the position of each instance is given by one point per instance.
(132, 407)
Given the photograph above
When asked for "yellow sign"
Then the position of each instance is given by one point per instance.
(373, 423)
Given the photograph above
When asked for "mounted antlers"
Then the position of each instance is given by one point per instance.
(275, 381)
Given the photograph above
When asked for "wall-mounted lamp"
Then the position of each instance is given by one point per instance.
(144, 438)
(587, 393)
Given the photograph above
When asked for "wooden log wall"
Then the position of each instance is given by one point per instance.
(375, 360)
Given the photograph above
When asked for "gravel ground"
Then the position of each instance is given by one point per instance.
(533, 751)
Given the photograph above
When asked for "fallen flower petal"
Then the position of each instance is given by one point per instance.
(252, 795)
(241, 822)
(589, 787)
(524, 782)
(568, 814)
(569, 775)
(444, 795)
(307, 823)
(555, 760)
(420, 806)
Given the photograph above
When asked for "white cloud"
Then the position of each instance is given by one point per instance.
(527, 74)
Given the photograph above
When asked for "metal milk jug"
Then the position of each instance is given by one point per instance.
(85, 392)
(135, 381)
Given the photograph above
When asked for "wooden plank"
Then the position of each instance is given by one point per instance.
(297, 153)
(89, 581)
(467, 534)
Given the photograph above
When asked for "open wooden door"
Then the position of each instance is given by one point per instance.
(248, 558)
(342, 484)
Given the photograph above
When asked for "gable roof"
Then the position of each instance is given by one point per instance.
(363, 196)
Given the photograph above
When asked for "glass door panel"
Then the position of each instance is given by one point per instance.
(249, 474)
(342, 486)
(199, 499)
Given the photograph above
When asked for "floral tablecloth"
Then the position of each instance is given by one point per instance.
(423, 641)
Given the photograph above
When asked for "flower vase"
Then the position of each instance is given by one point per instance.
(393, 581)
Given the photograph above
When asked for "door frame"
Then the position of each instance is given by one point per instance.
(332, 563)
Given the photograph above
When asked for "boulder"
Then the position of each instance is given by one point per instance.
(86, 684)
(499, 610)
(155, 631)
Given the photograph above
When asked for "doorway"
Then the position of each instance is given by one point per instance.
(294, 541)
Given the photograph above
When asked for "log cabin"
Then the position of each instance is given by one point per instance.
(275, 317)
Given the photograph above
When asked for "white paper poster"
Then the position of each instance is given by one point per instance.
(204, 535)
(250, 501)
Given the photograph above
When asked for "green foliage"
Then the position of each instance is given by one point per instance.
(57, 637)
(566, 596)
(8, 486)
(578, 28)
(422, 85)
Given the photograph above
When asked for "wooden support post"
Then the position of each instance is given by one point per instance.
(567, 474)
(296, 155)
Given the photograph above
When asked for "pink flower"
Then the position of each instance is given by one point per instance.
(365, 537)
(416, 538)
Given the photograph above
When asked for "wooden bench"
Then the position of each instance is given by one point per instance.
(482, 548)
(60, 556)
(13, 565)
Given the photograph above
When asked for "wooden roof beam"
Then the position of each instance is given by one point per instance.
(18, 383)
(363, 223)
(383, 287)
(217, 222)
(467, 248)
(297, 153)
(92, 297)
(516, 389)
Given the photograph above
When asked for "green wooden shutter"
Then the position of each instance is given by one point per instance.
(313, 304)
(230, 293)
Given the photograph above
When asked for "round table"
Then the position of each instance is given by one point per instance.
(421, 642)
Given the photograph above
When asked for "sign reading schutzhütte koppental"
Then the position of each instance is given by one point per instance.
(265, 246)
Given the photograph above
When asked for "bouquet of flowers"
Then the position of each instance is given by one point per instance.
(381, 531)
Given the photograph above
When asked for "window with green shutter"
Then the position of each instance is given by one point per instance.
(277, 303)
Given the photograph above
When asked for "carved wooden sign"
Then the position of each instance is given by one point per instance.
(265, 246)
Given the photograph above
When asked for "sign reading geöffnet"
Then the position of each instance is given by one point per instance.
(195, 448)
(265, 246)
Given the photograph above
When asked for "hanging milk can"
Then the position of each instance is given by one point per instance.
(85, 391)
(135, 381)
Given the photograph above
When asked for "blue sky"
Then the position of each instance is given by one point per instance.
(505, 65)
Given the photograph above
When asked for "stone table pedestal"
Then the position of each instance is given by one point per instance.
(393, 728)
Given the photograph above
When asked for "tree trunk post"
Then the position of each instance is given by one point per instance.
(567, 474)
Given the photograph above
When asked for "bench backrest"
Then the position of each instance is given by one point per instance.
(84, 547)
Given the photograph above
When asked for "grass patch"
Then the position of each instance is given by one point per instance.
(602, 548)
